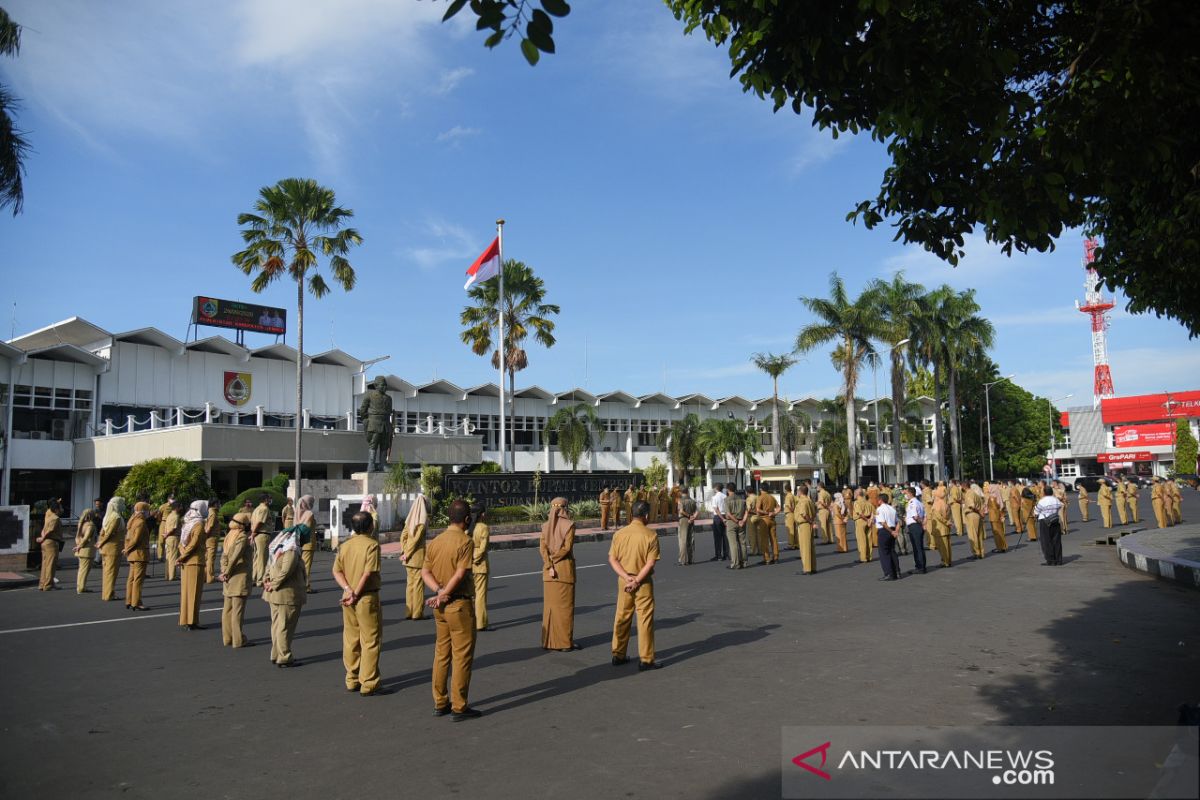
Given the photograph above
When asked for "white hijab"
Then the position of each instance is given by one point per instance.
(194, 518)
(115, 510)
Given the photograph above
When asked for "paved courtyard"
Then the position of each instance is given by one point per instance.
(132, 707)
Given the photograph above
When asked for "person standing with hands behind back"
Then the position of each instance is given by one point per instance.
(447, 572)
(480, 537)
(356, 570)
(51, 542)
(632, 556)
(558, 578)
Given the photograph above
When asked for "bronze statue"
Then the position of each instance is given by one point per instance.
(376, 409)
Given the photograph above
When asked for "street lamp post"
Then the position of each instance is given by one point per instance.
(1050, 413)
(987, 387)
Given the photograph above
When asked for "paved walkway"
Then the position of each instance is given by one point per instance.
(513, 541)
(1172, 554)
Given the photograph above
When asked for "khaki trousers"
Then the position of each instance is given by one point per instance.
(941, 541)
(823, 521)
(768, 539)
(453, 653)
(1157, 505)
(862, 538)
(233, 611)
(1106, 514)
(753, 542)
(975, 533)
(956, 516)
(85, 569)
(210, 559)
(49, 564)
(603, 516)
(306, 555)
(643, 601)
(260, 558)
(362, 637)
(283, 626)
(1121, 512)
(687, 544)
(1134, 514)
(1014, 515)
(414, 594)
(481, 586)
(998, 537)
(1084, 503)
(808, 550)
(133, 584)
(108, 576)
(171, 546)
(789, 522)
(736, 537)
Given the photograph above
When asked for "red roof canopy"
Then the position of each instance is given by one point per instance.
(1150, 407)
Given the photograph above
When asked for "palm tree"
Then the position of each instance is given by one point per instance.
(524, 310)
(964, 334)
(912, 431)
(926, 350)
(13, 144)
(679, 439)
(774, 366)
(851, 324)
(896, 301)
(574, 427)
(793, 429)
(830, 440)
(714, 440)
(297, 220)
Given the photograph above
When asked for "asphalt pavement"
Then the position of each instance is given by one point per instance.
(101, 702)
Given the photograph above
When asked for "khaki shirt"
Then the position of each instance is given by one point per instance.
(824, 498)
(789, 504)
(163, 512)
(735, 509)
(358, 555)
(862, 511)
(112, 536)
(450, 551)
(85, 534)
(170, 526)
(261, 516)
(766, 504)
(52, 526)
(1104, 494)
(806, 510)
(235, 564)
(633, 547)
(286, 574)
(480, 536)
(288, 515)
(137, 534)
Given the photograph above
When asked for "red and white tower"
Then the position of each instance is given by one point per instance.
(1097, 308)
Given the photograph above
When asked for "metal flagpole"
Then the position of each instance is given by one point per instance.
(500, 308)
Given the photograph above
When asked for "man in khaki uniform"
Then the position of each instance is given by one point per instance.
(753, 539)
(806, 514)
(1132, 490)
(1027, 504)
(1104, 496)
(605, 498)
(356, 570)
(447, 573)
(137, 551)
(51, 542)
(170, 536)
(1060, 493)
(824, 500)
(789, 517)
(736, 518)
(632, 556)
(412, 555)
(112, 535)
(262, 525)
(688, 511)
(236, 578)
(630, 497)
(1176, 515)
(160, 517)
(972, 505)
(956, 507)
(1012, 502)
(212, 532)
(1119, 496)
(1084, 502)
(1156, 503)
(768, 536)
(287, 514)
(614, 507)
(863, 514)
(85, 544)
(480, 539)
(939, 527)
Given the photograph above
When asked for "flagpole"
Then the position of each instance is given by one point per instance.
(500, 307)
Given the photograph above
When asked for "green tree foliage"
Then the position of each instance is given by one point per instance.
(1021, 425)
(576, 429)
(162, 478)
(896, 304)
(278, 499)
(681, 441)
(774, 366)
(13, 144)
(1185, 449)
(1025, 119)
(431, 481)
(655, 473)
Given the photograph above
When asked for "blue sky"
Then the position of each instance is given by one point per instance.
(675, 219)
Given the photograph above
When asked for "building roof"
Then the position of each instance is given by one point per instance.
(442, 387)
(484, 390)
(1150, 407)
(74, 330)
(338, 358)
(69, 353)
(534, 391)
(10, 352)
(153, 337)
(696, 400)
(277, 352)
(616, 397)
(398, 384)
(219, 344)
(736, 400)
(575, 395)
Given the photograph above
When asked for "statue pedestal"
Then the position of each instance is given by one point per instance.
(371, 482)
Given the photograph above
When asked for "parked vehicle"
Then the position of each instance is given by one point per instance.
(1092, 482)
(1190, 479)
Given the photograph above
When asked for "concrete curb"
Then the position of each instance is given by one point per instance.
(1137, 553)
(13, 580)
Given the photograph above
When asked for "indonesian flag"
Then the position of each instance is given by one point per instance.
(486, 266)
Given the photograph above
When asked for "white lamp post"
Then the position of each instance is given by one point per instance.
(988, 406)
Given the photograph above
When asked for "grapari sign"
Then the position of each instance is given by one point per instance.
(517, 488)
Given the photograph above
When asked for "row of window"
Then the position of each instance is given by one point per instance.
(48, 397)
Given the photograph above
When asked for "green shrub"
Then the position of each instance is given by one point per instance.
(162, 478)
(233, 506)
(585, 509)
(505, 514)
(482, 468)
(536, 512)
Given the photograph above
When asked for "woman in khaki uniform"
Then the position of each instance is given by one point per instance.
(995, 507)
(480, 538)
(137, 552)
(51, 542)
(191, 576)
(308, 547)
(235, 578)
(283, 588)
(112, 536)
(840, 512)
(212, 532)
(558, 579)
(412, 554)
(84, 550)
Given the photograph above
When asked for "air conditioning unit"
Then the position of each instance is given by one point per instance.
(38, 435)
(58, 429)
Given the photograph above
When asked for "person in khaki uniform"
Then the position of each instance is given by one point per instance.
(632, 556)
(171, 529)
(85, 545)
(557, 549)
(956, 507)
(1104, 496)
(304, 515)
(863, 514)
(190, 559)
(1156, 503)
(1132, 492)
(1119, 496)
(1012, 502)
(212, 532)
(287, 514)
(605, 497)
(480, 539)
(1084, 502)
(51, 542)
(262, 526)
(137, 552)
(628, 501)
(283, 589)
(1060, 493)
(160, 517)
(687, 512)
(806, 514)
(614, 507)
(824, 501)
(736, 516)
(1029, 497)
(939, 527)
(1176, 515)
(995, 508)
(840, 512)
(972, 504)
(753, 537)
(412, 555)
(767, 508)
(447, 573)
(112, 535)
(789, 517)
(356, 570)
(236, 579)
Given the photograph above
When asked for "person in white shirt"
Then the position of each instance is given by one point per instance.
(914, 526)
(887, 529)
(1049, 527)
(716, 504)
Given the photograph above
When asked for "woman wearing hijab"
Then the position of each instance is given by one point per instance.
(112, 536)
(283, 588)
(839, 514)
(306, 523)
(191, 550)
(412, 554)
(235, 578)
(369, 507)
(558, 579)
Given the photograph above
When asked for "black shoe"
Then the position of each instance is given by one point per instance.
(466, 713)
(923, 571)
(196, 627)
(382, 690)
(1047, 564)
(128, 607)
(643, 666)
(714, 558)
(619, 660)
(574, 646)
(441, 712)
(288, 664)
(887, 578)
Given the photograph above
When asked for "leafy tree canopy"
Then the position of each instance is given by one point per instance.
(1185, 449)
(1023, 118)
(162, 478)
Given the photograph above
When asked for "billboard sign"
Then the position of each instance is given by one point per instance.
(241, 316)
(1122, 458)
(1160, 433)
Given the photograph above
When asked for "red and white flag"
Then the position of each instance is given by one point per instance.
(486, 266)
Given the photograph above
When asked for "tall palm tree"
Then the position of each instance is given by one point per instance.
(524, 311)
(896, 301)
(774, 366)
(793, 429)
(964, 335)
(851, 324)
(679, 439)
(577, 429)
(715, 439)
(297, 220)
(13, 144)
(926, 350)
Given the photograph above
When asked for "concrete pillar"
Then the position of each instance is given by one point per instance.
(269, 471)
(629, 446)
(108, 427)
(333, 472)
(208, 412)
(305, 418)
(258, 416)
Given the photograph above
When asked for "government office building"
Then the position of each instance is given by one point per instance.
(82, 405)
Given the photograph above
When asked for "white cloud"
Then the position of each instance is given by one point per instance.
(445, 242)
(652, 51)
(455, 135)
(450, 80)
(1135, 370)
(815, 148)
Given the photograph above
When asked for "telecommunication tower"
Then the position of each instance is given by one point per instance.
(1097, 308)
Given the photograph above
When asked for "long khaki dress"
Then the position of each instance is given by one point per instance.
(558, 608)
